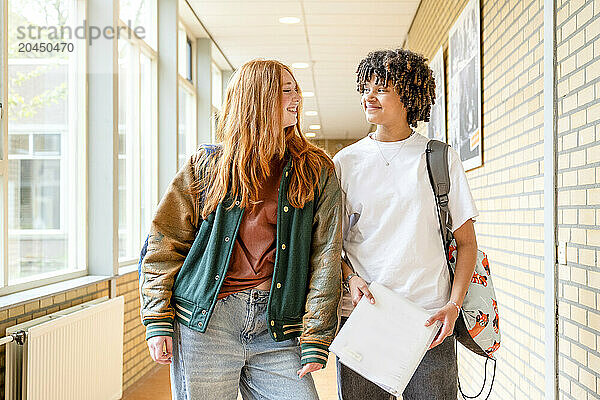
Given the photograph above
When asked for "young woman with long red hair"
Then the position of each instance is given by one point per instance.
(241, 280)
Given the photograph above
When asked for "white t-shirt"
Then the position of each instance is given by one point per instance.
(391, 228)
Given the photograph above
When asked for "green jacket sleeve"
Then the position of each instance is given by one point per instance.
(321, 318)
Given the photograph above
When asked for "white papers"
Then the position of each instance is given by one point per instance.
(385, 342)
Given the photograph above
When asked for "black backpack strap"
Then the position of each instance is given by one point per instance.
(485, 374)
(439, 177)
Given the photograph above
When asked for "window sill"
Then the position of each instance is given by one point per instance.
(26, 296)
(128, 269)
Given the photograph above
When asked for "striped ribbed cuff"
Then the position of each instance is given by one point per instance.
(159, 328)
(314, 353)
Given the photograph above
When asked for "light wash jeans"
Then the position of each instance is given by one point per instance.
(237, 352)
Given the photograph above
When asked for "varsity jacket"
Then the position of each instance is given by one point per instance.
(187, 259)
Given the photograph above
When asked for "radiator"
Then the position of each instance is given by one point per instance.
(73, 354)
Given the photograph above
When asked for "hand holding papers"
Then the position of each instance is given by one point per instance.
(385, 342)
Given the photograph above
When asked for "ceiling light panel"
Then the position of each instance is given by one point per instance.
(300, 65)
(289, 20)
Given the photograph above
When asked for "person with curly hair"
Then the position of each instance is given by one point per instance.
(390, 222)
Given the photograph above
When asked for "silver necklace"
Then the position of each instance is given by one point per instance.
(387, 162)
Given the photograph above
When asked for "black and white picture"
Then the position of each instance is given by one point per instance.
(464, 87)
(436, 128)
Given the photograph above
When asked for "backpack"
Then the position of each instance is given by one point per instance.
(476, 327)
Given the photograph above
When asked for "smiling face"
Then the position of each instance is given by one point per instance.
(381, 104)
(289, 100)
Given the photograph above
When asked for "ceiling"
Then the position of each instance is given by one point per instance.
(332, 37)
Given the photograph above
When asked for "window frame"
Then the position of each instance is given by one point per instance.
(187, 83)
(4, 146)
(77, 226)
(140, 47)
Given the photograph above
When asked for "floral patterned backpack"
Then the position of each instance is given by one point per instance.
(477, 325)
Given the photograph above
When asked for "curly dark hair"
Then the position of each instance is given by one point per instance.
(409, 74)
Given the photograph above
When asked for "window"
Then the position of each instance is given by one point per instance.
(137, 140)
(184, 54)
(188, 50)
(3, 147)
(148, 155)
(216, 86)
(187, 124)
(216, 98)
(140, 17)
(44, 173)
(186, 132)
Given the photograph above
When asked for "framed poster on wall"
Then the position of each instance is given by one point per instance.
(464, 86)
(436, 128)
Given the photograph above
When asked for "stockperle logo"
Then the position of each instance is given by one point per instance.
(84, 31)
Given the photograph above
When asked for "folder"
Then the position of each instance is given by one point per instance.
(386, 341)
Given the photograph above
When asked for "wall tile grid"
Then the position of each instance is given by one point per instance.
(508, 188)
(578, 134)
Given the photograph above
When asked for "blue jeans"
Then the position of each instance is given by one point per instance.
(237, 352)
(435, 378)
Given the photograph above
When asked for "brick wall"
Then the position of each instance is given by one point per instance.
(44, 306)
(136, 358)
(508, 188)
(578, 92)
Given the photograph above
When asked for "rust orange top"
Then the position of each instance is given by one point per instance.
(253, 256)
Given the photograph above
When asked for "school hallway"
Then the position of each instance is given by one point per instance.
(93, 129)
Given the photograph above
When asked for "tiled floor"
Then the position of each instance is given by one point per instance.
(152, 386)
(155, 385)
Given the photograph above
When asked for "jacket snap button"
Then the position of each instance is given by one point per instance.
(237, 203)
(283, 247)
(199, 323)
(278, 285)
(217, 278)
(203, 312)
(285, 209)
(272, 323)
(227, 238)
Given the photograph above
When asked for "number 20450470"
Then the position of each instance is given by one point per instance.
(46, 47)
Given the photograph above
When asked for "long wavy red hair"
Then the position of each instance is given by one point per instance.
(252, 137)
